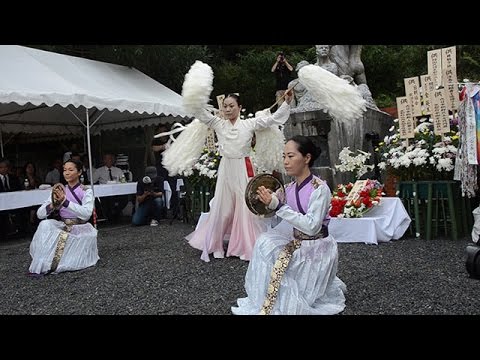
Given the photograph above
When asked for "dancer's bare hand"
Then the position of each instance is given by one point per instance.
(58, 196)
(264, 195)
(289, 96)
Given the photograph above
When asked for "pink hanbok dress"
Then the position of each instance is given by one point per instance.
(229, 217)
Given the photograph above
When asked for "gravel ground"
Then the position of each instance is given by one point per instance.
(152, 270)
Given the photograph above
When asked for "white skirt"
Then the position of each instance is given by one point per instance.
(310, 285)
(80, 249)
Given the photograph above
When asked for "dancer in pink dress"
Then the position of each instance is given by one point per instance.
(229, 217)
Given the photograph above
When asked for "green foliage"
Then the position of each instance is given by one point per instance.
(250, 75)
(387, 65)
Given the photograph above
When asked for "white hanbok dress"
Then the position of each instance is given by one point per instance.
(229, 217)
(309, 284)
(67, 245)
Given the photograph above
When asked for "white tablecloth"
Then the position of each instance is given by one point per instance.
(387, 221)
(25, 198)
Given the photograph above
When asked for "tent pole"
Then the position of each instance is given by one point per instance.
(1, 140)
(89, 151)
(90, 168)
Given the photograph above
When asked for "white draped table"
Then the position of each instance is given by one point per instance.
(26, 198)
(387, 221)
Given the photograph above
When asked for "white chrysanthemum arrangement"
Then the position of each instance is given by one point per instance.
(426, 157)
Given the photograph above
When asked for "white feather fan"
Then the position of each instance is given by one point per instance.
(186, 149)
(197, 87)
(341, 100)
(269, 146)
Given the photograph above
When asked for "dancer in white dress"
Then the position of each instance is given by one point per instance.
(228, 212)
(69, 243)
(294, 265)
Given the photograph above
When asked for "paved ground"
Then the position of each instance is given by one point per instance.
(152, 270)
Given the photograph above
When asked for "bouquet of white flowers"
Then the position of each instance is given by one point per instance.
(354, 164)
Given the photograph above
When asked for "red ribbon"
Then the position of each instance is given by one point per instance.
(248, 163)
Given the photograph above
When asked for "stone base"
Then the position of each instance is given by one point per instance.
(331, 136)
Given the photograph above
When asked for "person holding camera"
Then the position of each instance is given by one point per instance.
(150, 198)
(282, 70)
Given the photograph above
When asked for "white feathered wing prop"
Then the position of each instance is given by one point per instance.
(341, 100)
(269, 146)
(185, 151)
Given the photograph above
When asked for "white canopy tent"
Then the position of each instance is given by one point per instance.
(43, 92)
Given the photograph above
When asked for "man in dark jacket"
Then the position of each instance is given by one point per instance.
(150, 198)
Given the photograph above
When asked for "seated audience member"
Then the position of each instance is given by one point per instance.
(107, 172)
(53, 176)
(150, 198)
(8, 183)
(69, 243)
(112, 206)
(30, 171)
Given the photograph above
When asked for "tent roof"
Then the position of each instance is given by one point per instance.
(39, 90)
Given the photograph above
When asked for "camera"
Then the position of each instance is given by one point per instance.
(282, 56)
(147, 184)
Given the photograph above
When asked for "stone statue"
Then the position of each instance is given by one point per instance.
(298, 88)
(349, 62)
(323, 59)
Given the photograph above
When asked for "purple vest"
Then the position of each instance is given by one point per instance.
(297, 197)
(74, 195)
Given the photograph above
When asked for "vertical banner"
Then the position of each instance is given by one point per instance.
(434, 62)
(412, 91)
(450, 83)
(449, 57)
(406, 123)
(428, 87)
(471, 131)
(441, 121)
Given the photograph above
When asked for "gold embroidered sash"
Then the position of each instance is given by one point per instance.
(281, 265)
(276, 275)
(62, 240)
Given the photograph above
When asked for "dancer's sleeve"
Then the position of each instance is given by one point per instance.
(208, 119)
(46, 208)
(279, 117)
